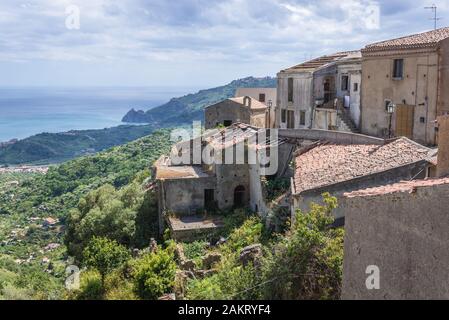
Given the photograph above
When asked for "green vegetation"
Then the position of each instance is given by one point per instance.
(57, 147)
(304, 263)
(104, 255)
(31, 248)
(185, 109)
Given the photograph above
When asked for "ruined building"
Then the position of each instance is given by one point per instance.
(323, 93)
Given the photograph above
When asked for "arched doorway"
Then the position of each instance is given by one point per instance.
(239, 196)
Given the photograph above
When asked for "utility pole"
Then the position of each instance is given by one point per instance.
(434, 9)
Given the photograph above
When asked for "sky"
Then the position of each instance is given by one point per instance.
(197, 43)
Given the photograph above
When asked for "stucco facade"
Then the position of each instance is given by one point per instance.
(420, 88)
(402, 231)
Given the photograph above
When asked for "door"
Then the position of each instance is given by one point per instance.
(290, 119)
(404, 120)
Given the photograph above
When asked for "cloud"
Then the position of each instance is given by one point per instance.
(206, 32)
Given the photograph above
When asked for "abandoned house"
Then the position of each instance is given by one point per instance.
(323, 93)
(193, 189)
(236, 110)
(267, 96)
(336, 166)
(404, 86)
(412, 215)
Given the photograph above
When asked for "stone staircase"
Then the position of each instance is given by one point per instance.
(346, 123)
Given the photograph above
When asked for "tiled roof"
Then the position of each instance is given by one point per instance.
(255, 104)
(424, 39)
(316, 63)
(405, 186)
(329, 164)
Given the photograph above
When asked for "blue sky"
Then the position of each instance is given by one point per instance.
(198, 43)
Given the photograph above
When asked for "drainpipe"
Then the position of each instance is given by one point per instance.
(312, 111)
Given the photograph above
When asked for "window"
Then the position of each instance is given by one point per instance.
(262, 97)
(283, 116)
(398, 69)
(209, 198)
(344, 83)
(356, 87)
(302, 118)
(290, 89)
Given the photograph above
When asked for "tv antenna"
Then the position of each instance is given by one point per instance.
(435, 19)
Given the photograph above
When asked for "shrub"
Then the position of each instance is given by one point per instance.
(154, 274)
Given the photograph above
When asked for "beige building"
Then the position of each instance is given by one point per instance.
(236, 110)
(412, 73)
(267, 96)
(322, 93)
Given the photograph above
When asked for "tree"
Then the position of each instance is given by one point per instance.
(307, 263)
(104, 255)
(154, 274)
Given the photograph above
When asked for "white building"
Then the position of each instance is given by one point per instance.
(323, 93)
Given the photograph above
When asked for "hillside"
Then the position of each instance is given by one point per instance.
(190, 107)
(33, 256)
(57, 147)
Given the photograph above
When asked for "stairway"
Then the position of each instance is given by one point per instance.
(346, 123)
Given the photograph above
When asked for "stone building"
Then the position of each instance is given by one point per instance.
(338, 166)
(236, 110)
(267, 96)
(194, 188)
(412, 73)
(322, 93)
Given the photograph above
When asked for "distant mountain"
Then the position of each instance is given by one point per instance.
(56, 147)
(190, 107)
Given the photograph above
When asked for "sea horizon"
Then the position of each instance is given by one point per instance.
(29, 110)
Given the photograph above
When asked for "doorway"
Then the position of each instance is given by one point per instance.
(404, 120)
(239, 196)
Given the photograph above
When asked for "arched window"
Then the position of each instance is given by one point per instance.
(239, 196)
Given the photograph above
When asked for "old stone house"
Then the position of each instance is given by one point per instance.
(338, 166)
(267, 96)
(323, 93)
(412, 73)
(236, 110)
(192, 190)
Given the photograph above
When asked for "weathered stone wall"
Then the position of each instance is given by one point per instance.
(229, 177)
(186, 196)
(406, 236)
(226, 110)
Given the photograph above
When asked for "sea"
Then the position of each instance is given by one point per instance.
(26, 111)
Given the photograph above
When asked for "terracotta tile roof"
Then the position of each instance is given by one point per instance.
(405, 186)
(255, 104)
(424, 39)
(329, 164)
(316, 63)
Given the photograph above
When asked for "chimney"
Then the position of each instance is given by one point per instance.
(443, 146)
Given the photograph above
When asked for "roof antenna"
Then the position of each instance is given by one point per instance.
(434, 9)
